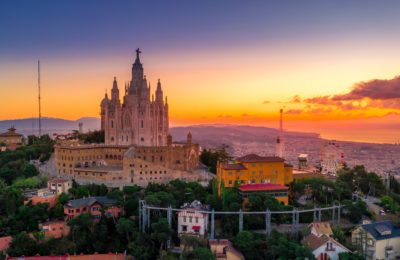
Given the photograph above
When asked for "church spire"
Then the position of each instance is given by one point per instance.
(137, 73)
(115, 90)
(159, 92)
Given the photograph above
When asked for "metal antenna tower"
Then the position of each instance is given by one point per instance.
(40, 112)
(279, 140)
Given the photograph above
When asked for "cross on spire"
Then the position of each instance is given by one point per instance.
(137, 53)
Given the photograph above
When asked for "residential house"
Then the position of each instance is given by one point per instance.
(59, 185)
(321, 242)
(191, 220)
(43, 196)
(93, 206)
(378, 240)
(324, 247)
(54, 229)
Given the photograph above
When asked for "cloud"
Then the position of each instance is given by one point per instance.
(266, 102)
(295, 99)
(294, 111)
(224, 116)
(245, 115)
(373, 89)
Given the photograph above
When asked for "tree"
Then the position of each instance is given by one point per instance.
(125, 227)
(280, 247)
(22, 245)
(142, 247)
(355, 210)
(202, 253)
(30, 170)
(338, 234)
(210, 158)
(388, 202)
(161, 232)
(245, 242)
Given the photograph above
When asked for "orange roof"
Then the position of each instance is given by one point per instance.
(313, 242)
(234, 166)
(250, 158)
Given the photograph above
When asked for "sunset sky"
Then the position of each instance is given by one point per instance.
(332, 65)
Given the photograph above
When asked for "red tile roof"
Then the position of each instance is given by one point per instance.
(5, 242)
(313, 242)
(262, 187)
(256, 158)
(38, 258)
(234, 166)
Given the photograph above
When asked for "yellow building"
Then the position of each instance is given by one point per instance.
(254, 169)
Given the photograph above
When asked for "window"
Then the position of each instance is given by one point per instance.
(190, 219)
(184, 228)
(112, 123)
(141, 123)
(197, 219)
(184, 219)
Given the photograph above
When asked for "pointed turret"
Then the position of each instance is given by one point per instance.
(159, 92)
(115, 91)
(104, 101)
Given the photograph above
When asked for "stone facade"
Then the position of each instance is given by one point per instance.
(118, 165)
(140, 119)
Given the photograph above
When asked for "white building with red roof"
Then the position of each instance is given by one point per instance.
(192, 219)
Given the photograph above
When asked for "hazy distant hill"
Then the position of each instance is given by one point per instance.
(240, 140)
(217, 135)
(28, 126)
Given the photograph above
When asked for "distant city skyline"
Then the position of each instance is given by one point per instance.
(331, 66)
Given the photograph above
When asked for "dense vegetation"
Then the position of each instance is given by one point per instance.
(110, 235)
(211, 157)
(96, 136)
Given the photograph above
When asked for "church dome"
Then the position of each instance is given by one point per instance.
(105, 101)
(130, 153)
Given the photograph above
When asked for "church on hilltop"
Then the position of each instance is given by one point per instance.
(138, 148)
(141, 118)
